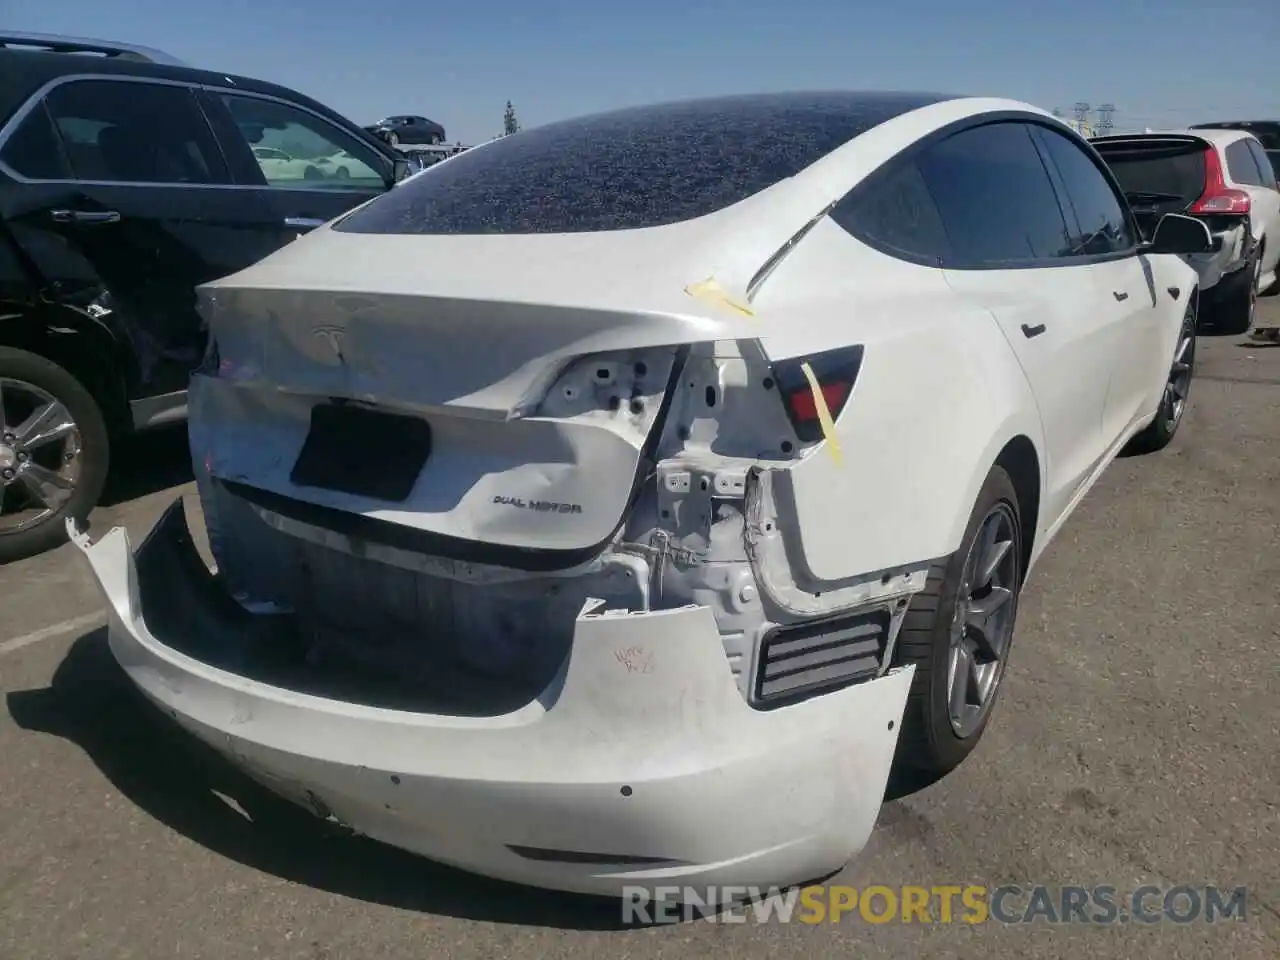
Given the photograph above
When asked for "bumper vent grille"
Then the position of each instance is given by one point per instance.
(814, 657)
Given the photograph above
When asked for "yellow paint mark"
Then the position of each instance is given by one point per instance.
(824, 413)
(712, 292)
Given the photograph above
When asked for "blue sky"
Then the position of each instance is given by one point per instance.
(1161, 62)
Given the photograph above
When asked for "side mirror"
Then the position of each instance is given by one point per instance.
(1176, 233)
(402, 169)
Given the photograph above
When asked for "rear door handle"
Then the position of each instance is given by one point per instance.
(303, 223)
(1029, 332)
(85, 216)
(1120, 294)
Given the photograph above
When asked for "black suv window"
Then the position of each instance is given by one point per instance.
(996, 200)
(893, 211)
(33, 150)
(1241, 165)
(297, 149)
(1102, 224)
(132, 132)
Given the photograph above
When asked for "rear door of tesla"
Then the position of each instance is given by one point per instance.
(1010, 250)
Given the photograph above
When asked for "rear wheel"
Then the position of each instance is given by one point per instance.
(958, 632)
(1236, 304)
(1173, 400)
(53, 453)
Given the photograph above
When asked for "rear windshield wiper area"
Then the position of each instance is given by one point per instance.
(1146, 196)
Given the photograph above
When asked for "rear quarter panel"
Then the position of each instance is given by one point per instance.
(939, 395)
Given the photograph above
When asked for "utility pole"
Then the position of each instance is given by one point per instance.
(1105, 121)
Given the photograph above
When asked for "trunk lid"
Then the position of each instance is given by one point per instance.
(491, 399)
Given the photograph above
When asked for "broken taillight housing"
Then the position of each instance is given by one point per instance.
(835, 372)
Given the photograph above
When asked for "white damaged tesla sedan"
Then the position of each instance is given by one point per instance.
(618, 503)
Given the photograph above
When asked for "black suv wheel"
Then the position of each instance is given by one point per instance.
(54, 453)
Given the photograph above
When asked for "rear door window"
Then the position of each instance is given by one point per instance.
(1241, 165)
(33, 150)
(119, 131)
(1102, 223)
(995, 198)
(295, 149)
(1265, 166)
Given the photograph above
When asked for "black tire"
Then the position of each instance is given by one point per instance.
(929, 743)
(1159, 433)
(393, 138)
(1236, 300)
(95, 451)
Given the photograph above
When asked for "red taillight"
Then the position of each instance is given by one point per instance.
(1217, 196)
(835, 372)
(804, 408)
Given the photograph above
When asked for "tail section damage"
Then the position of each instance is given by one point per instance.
(488, 580)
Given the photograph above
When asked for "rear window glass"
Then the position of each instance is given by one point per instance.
(628, 169)
(1176, 171)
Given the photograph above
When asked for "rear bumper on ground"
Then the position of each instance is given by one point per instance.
(641, 764)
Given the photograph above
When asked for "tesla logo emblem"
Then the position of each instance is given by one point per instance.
(333, 336)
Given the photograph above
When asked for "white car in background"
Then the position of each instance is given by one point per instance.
(619, 502)
(1224, 178)
(278, 165)
(343, 166)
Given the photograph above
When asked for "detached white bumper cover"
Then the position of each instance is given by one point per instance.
(640, 764)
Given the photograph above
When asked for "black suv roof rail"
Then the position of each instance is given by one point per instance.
(55, 43)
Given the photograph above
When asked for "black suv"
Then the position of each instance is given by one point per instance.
(127, 179)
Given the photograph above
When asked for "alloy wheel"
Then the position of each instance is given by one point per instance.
(982, 626)
(40, 448)
(1174, 402)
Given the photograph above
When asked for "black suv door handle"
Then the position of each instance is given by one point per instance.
(1120, 294)
(1030, 332)
(85, 216)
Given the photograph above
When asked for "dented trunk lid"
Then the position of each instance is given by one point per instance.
(489, 398)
